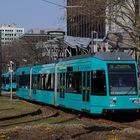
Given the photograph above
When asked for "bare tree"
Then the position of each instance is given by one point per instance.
(29, 49)
(123, 14)
(21, 52)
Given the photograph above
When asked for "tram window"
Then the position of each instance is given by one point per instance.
(39, 81)
(3, 80)
(7, 80)
(98, 83)
(62, 85)
(69, 69)
(42, 82)
(62, 80)
(17, 83)
(34, 81)
(74, 82)
(50, 82)
(58, 83)
(24, 80)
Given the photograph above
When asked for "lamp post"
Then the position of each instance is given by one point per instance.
(11, 77)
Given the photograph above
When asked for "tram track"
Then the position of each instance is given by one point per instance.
(119, 122)
(54, 112)
(45, 113)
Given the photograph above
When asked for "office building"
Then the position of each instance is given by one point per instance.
(82, 25)
(10, 32)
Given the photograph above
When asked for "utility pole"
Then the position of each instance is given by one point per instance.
(11, 78)
(0, 63)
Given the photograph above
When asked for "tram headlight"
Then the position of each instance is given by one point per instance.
(135, 101)
(113, 101)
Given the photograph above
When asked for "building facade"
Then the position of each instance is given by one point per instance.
(83, 25)
(10, 32)
(120, 14)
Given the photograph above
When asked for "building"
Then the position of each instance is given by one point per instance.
(137, 5)
(121, 15)
(36, 35)
(9, 32)
(45, 41)
(81, 25)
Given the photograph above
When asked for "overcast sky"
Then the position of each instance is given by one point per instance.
(32, 13)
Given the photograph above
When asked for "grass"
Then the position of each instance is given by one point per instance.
(10, 108)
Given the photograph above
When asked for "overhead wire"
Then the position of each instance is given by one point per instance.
(56, 4)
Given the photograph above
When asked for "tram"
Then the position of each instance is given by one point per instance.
(6, 81)
(101, 83)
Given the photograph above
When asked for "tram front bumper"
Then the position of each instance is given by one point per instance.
(122, 111)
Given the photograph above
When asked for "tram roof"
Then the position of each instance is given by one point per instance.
(108, 56)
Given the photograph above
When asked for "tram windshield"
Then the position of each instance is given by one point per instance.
(122, 79)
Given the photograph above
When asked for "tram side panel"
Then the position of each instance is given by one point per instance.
(23, 82)
(43, 84)
(6, 81)
(82, 84)
(70, 85)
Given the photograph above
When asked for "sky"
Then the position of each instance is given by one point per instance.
(30, 14)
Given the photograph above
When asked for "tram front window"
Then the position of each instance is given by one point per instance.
(122, 79)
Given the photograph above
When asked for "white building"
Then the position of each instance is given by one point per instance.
(9, 32)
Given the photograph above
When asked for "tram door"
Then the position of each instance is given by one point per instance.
(86, 90)
(62, 87)
(35, 83)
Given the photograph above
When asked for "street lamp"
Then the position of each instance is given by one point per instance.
(11, 72)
